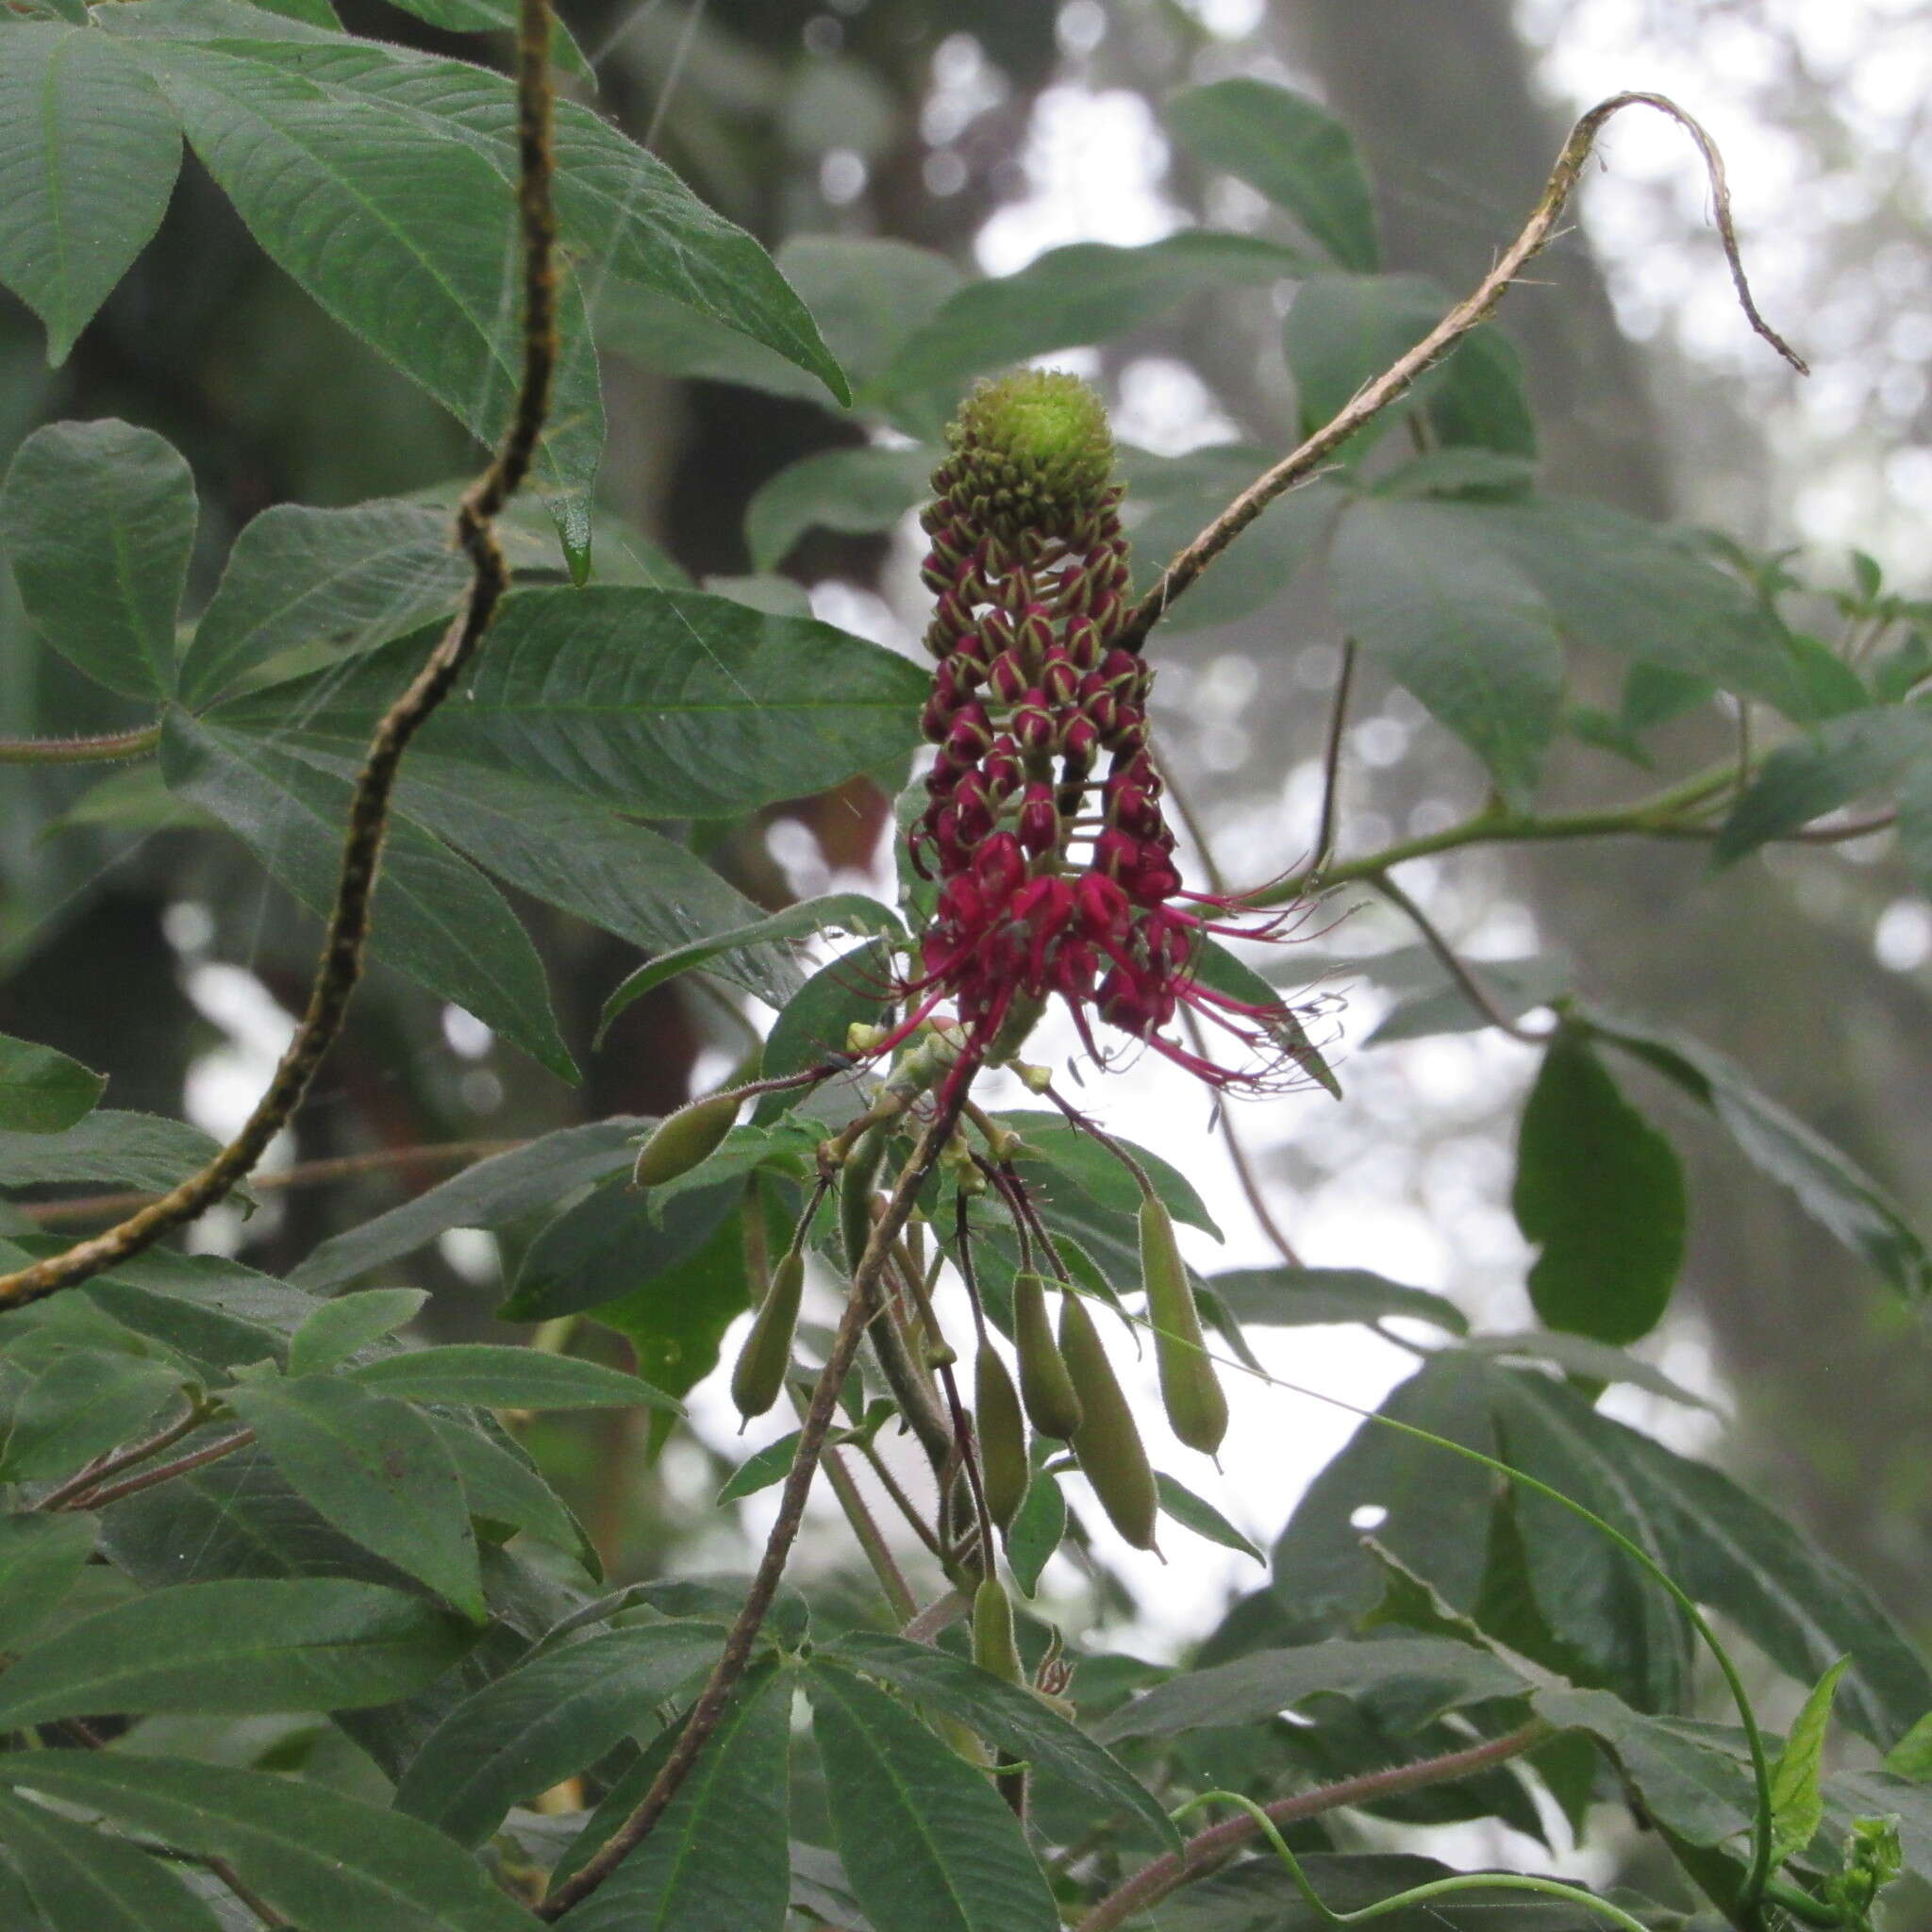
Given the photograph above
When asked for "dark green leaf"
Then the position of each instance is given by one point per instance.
(1194, 1512)
(1007, 1715)
(1618, 584)
(122, 1150)
(848, 913)
(769, 1465)
(1295, 153)
(720, 1859)
(856, 492)
(99, 519)
(1700, 1791)
(925, 1840)
(43, 1092)
(867, 295)
(300, 576)
(1037, 1532)
(336, 1864)
(374, 1468)
(339, 1328)
(380, 181)
(84, 1880)
(1458, 624)
(1299, 1297)
(1220, 970)
(492, 1194)
(299, 1645)
(672, 704)
(499, 16)
(88, 157)
(486, 1376)
(1797, 1802)
(1344, 329)
(41, 1560)
(1844, 760)
(1601, 1192)
(1480, 400)
(505, 1493)
(1420, 1676)
(1087, 292)
(1836, 1193)
(610, 1244)
(436, 917)
(1466, 471)
(81, 1405)
(1052, 1142)
(854, 988)
(547, 1720)
(584, 858)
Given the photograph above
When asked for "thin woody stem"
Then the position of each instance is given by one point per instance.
(709, 1708)
(112, 1465)
(1376, 395)
(1326, 825)
(161, 1472)
(105, 748)
(305, 1173)
(1205, 1849)
(1473, 989)
(340, 967)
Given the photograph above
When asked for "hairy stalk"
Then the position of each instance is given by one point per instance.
(1374, 396)
(1205, 1849)
(732, 1661)
(1473, 989)
(303, 1174)
(105, 748)
(340, 967)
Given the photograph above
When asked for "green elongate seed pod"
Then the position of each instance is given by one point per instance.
(1002, 1432)
(1052, 1400)
(857, 1180)
(1190, 1389)
(994, 1647)
(760, 1376)
(1108, 1443)
(683, 1139)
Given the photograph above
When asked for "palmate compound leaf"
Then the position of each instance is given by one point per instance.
(927, 1841)
(310, 1644)
(546, 1719)
(326, 1863)
(88, 151)
(670, 704)
(436, 917)
(720, 1859)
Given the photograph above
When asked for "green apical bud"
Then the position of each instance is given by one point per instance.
(1108, 1443)
(1004, 1471)
(1052, 1403)
(1190, 1389)
(760, 1376)
(1030, 452)
(681, 1139)
(995, 1646)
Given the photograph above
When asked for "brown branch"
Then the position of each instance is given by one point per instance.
(1473, 990)
(105, 748)
(103, 1467)
(1376, 395)
(161, 1472)
(305, 1173)
(709, 1708)
(340, 965)
(1207, 1848)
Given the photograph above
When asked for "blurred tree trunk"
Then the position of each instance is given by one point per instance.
(1833, 1411)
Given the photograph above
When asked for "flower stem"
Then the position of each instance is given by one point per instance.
(105, 748)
